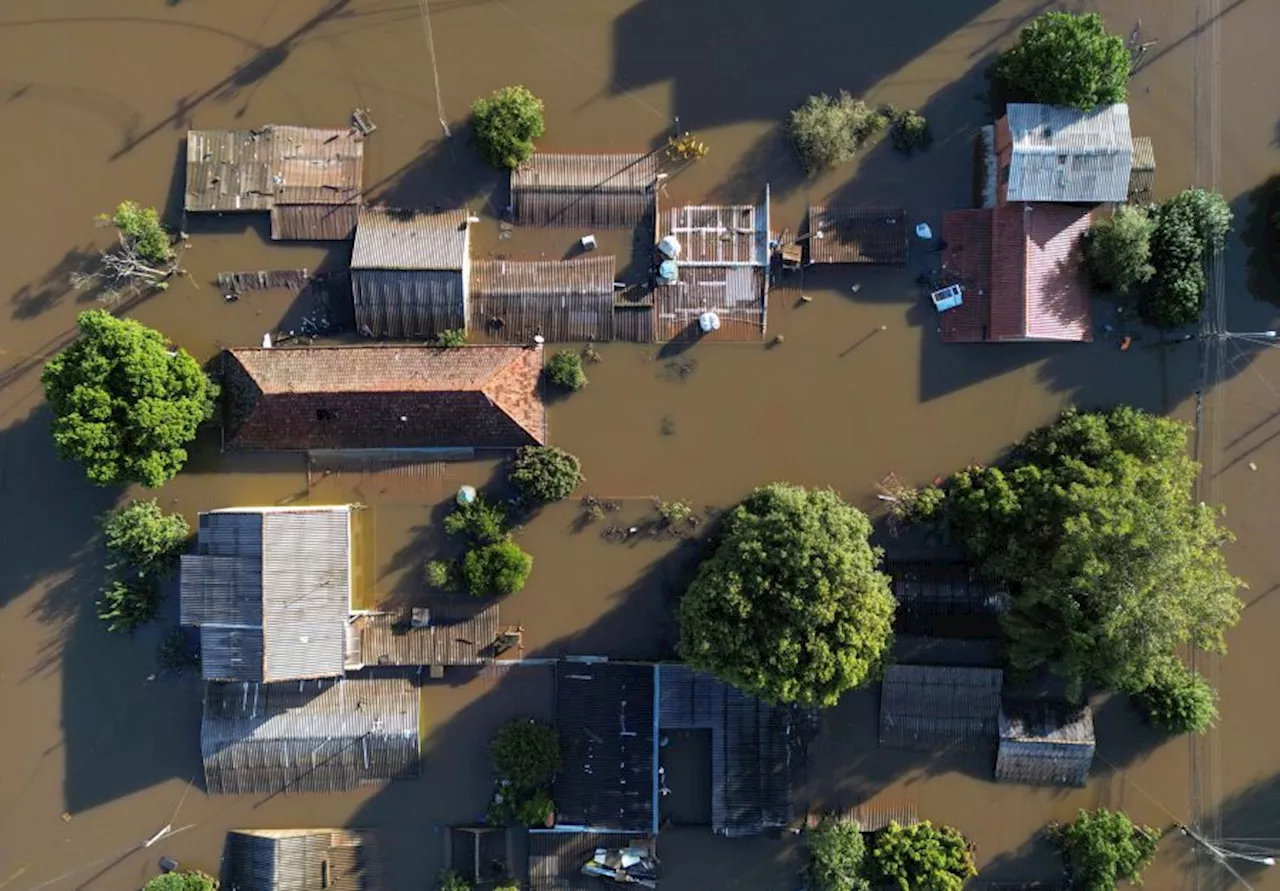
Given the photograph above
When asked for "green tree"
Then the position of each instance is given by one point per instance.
(496, 569)
(506, 125)
(451, 880)
(140, 226)
(1114, 563)
(543, 474)
(144, 537)
(1179, 700)
(1118, 249)
(480, 520)
(440, 574)
(836, 852)
(124, 406)
(191, 880)
(1101, 847)
(910, 131)
(790, 606)
(1066, 59)
(452, 337)
(922, 857)
(128, 604)
(564, 370)
(829, 131)
(1188, 227)
(526, 752)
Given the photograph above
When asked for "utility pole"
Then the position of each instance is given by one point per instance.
(1221, 854)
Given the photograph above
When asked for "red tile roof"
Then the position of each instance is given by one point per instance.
(1022, 269)
(369, 397)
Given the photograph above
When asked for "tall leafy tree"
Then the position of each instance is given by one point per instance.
(1100, 847)
(1188, 227)
(1066, 59)
(791, 605)
(1115, 564)
(506, 125)
(125, 406)
(836, 852)
(143, 537)
(1119, 249)
(922, 857)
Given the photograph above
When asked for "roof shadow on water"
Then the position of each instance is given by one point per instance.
(447, 173)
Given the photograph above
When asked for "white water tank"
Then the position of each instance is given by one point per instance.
(709, 322)
(669, 247)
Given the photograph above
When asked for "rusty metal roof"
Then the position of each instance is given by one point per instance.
(411, 240)
(586, 276)
(736, 294)
(313, 222)
(386, 640)
(299, 860)
(857, 235)
(720, 235)
(606, 191)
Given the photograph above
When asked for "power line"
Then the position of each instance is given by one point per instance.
(424, 9)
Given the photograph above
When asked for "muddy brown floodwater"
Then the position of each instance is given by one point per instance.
(95, 98)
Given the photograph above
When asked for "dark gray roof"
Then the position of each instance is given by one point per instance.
(584, 190)
(409, 239)
(307, 736)
(1064, 154)
(556, 859)
(934, 708)
(296, 860)
(750, 755)
(562, 300)
(270, 589)
(408, 304)
(605, 718)
(1045, 743)
(939, 588)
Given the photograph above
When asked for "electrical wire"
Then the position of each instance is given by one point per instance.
(424, 8)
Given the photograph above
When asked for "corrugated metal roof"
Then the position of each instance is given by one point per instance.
(1045, 743)
(270, 590)
(314, 222)
(605, 718)
(308, 736)
(945, 589)
(718, 235)
(857, 235)
(246, 170)
(411, 239)
(408, 304)
(389, 640)
(556, 859)
(737, 294)
(633, 324)
(604, 191)
(297, 860)
(563, 301)
(590, 276)
(750, 755)
(1063, 154)
(384, 397)
(931, 707)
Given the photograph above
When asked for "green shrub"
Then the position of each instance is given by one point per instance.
(829, 131)
(127, 605)
(144, 537)
(480, 520)
(440, 574)
(543, 474)
(452, 337)
(1101, 847)
(141, 228)
(176, 653)
(526, 752)
(836, 852)
(496, 569)
(506, 124)
(1118, 249)
(451, 880)
(910, 131)
(928, 505)
(922, 857)
(191, 880)
(1180, 700)
(675, 513)
(564, 370)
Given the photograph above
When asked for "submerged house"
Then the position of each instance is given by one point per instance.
(298, 860)
(560, 300)
(410, 272)
(270, 589)
(839, 234)
(585, 191)
(1045, 743)
(1021, 267)
(308, 178)
(939, 707)
(308, 736)
(722, 268)
(1048, 153)
(383, 397)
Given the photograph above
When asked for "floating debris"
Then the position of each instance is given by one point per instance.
(262, 280)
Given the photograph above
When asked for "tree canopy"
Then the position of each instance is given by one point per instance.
(1179, 700)
(829, 130)
(922, 857)
(143, 537)
(1066, 59)
(564, 370)
(1119, 249)
(1114, 563)
(506, 125)
(496, 569)
(1099, 848)
(191, 880)
(791, 605)
(1187, 228)
(124, 406)
(543, 474)
(836, 854)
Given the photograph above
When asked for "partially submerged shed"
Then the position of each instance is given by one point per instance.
(1055, 154)
(308, 178)
(1142, 176)
(940, 588)
(842, 234)
(561, 300)
(298, 860)
(935, 707)
(270, 589)
(383, 639)
(1045, 743)
(584, 191)
(308, 736)
(606, 718)
(383, 397)
(410, 272)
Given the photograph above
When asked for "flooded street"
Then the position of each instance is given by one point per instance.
(96, 98)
